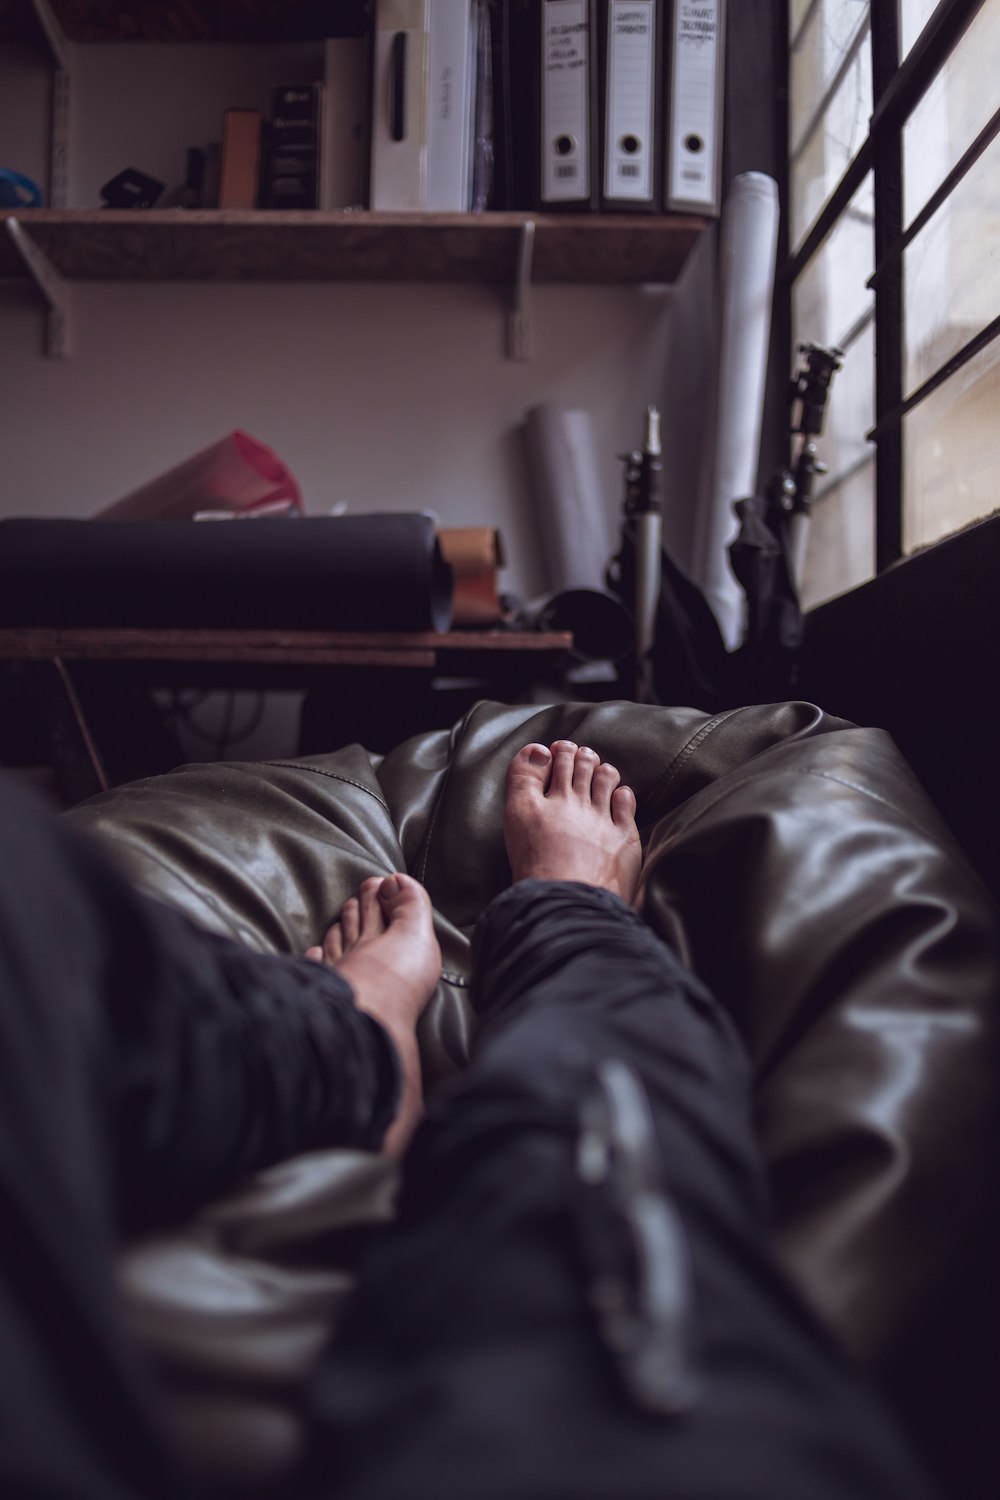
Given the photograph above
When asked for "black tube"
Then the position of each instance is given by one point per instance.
(381, 572)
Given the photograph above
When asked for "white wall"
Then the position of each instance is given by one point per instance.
(386, 397)
(383, 396)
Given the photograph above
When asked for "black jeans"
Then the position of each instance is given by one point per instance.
(146, 1065)
(475, 1361)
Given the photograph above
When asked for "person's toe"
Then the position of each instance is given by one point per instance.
(623, 807)
(584, 766)
(563, 766)
(606, 778)
(331, 948)
(401, 895)
(333, 943)
(350, 922)
(529, 770)
(372, 921)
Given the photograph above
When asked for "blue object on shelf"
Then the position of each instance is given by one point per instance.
(18, 191)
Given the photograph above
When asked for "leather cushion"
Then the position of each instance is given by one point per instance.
(791, 858)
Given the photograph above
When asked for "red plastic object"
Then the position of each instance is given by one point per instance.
(236, 474)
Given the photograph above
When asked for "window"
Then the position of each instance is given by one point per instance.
(894, 226)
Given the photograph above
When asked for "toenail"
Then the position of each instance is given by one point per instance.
(538, 756)
(586, 750)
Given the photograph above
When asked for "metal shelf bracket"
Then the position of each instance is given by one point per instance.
(51, 286)
(55, 37)
(519, 340)
(61, 53)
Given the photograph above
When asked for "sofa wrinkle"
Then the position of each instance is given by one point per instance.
(853, 786)
(284, 765)
(425, 850)
(867, 791)
(683, 755)
(195, 890)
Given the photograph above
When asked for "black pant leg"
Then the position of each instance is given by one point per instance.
(472, 1363)
(143, 1065)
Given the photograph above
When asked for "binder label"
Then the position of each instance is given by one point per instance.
(449, 122)
(565, 142)
(628, 150)
(694, 103)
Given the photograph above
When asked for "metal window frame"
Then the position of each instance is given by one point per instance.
(941, 195)
(898, 85)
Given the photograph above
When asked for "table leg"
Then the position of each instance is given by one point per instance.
(74, 754)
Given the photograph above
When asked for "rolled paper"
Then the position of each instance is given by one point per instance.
(575, 531)
(747, 260)
(380, 572)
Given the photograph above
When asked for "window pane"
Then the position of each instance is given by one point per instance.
(952, 272)
(823, 143)
(913, 17)
(952, 457)
(840, 547)
(796, 11)
(818, 53)
(830, 296)
(954, 110)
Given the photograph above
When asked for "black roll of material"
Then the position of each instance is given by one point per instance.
(380, 572)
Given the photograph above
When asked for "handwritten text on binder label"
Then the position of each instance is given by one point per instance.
(629, 120)
(565, 144)
(694, 104)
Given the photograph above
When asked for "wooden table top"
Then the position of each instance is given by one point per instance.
(425, 648)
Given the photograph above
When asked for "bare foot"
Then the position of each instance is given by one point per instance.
(567, 817)
(385, 947)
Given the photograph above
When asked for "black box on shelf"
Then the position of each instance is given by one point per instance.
(291, 178)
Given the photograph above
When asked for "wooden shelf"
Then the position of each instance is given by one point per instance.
(219, 245)
(186, 20)
(281, 660)
(259, 660)
(420, 648)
